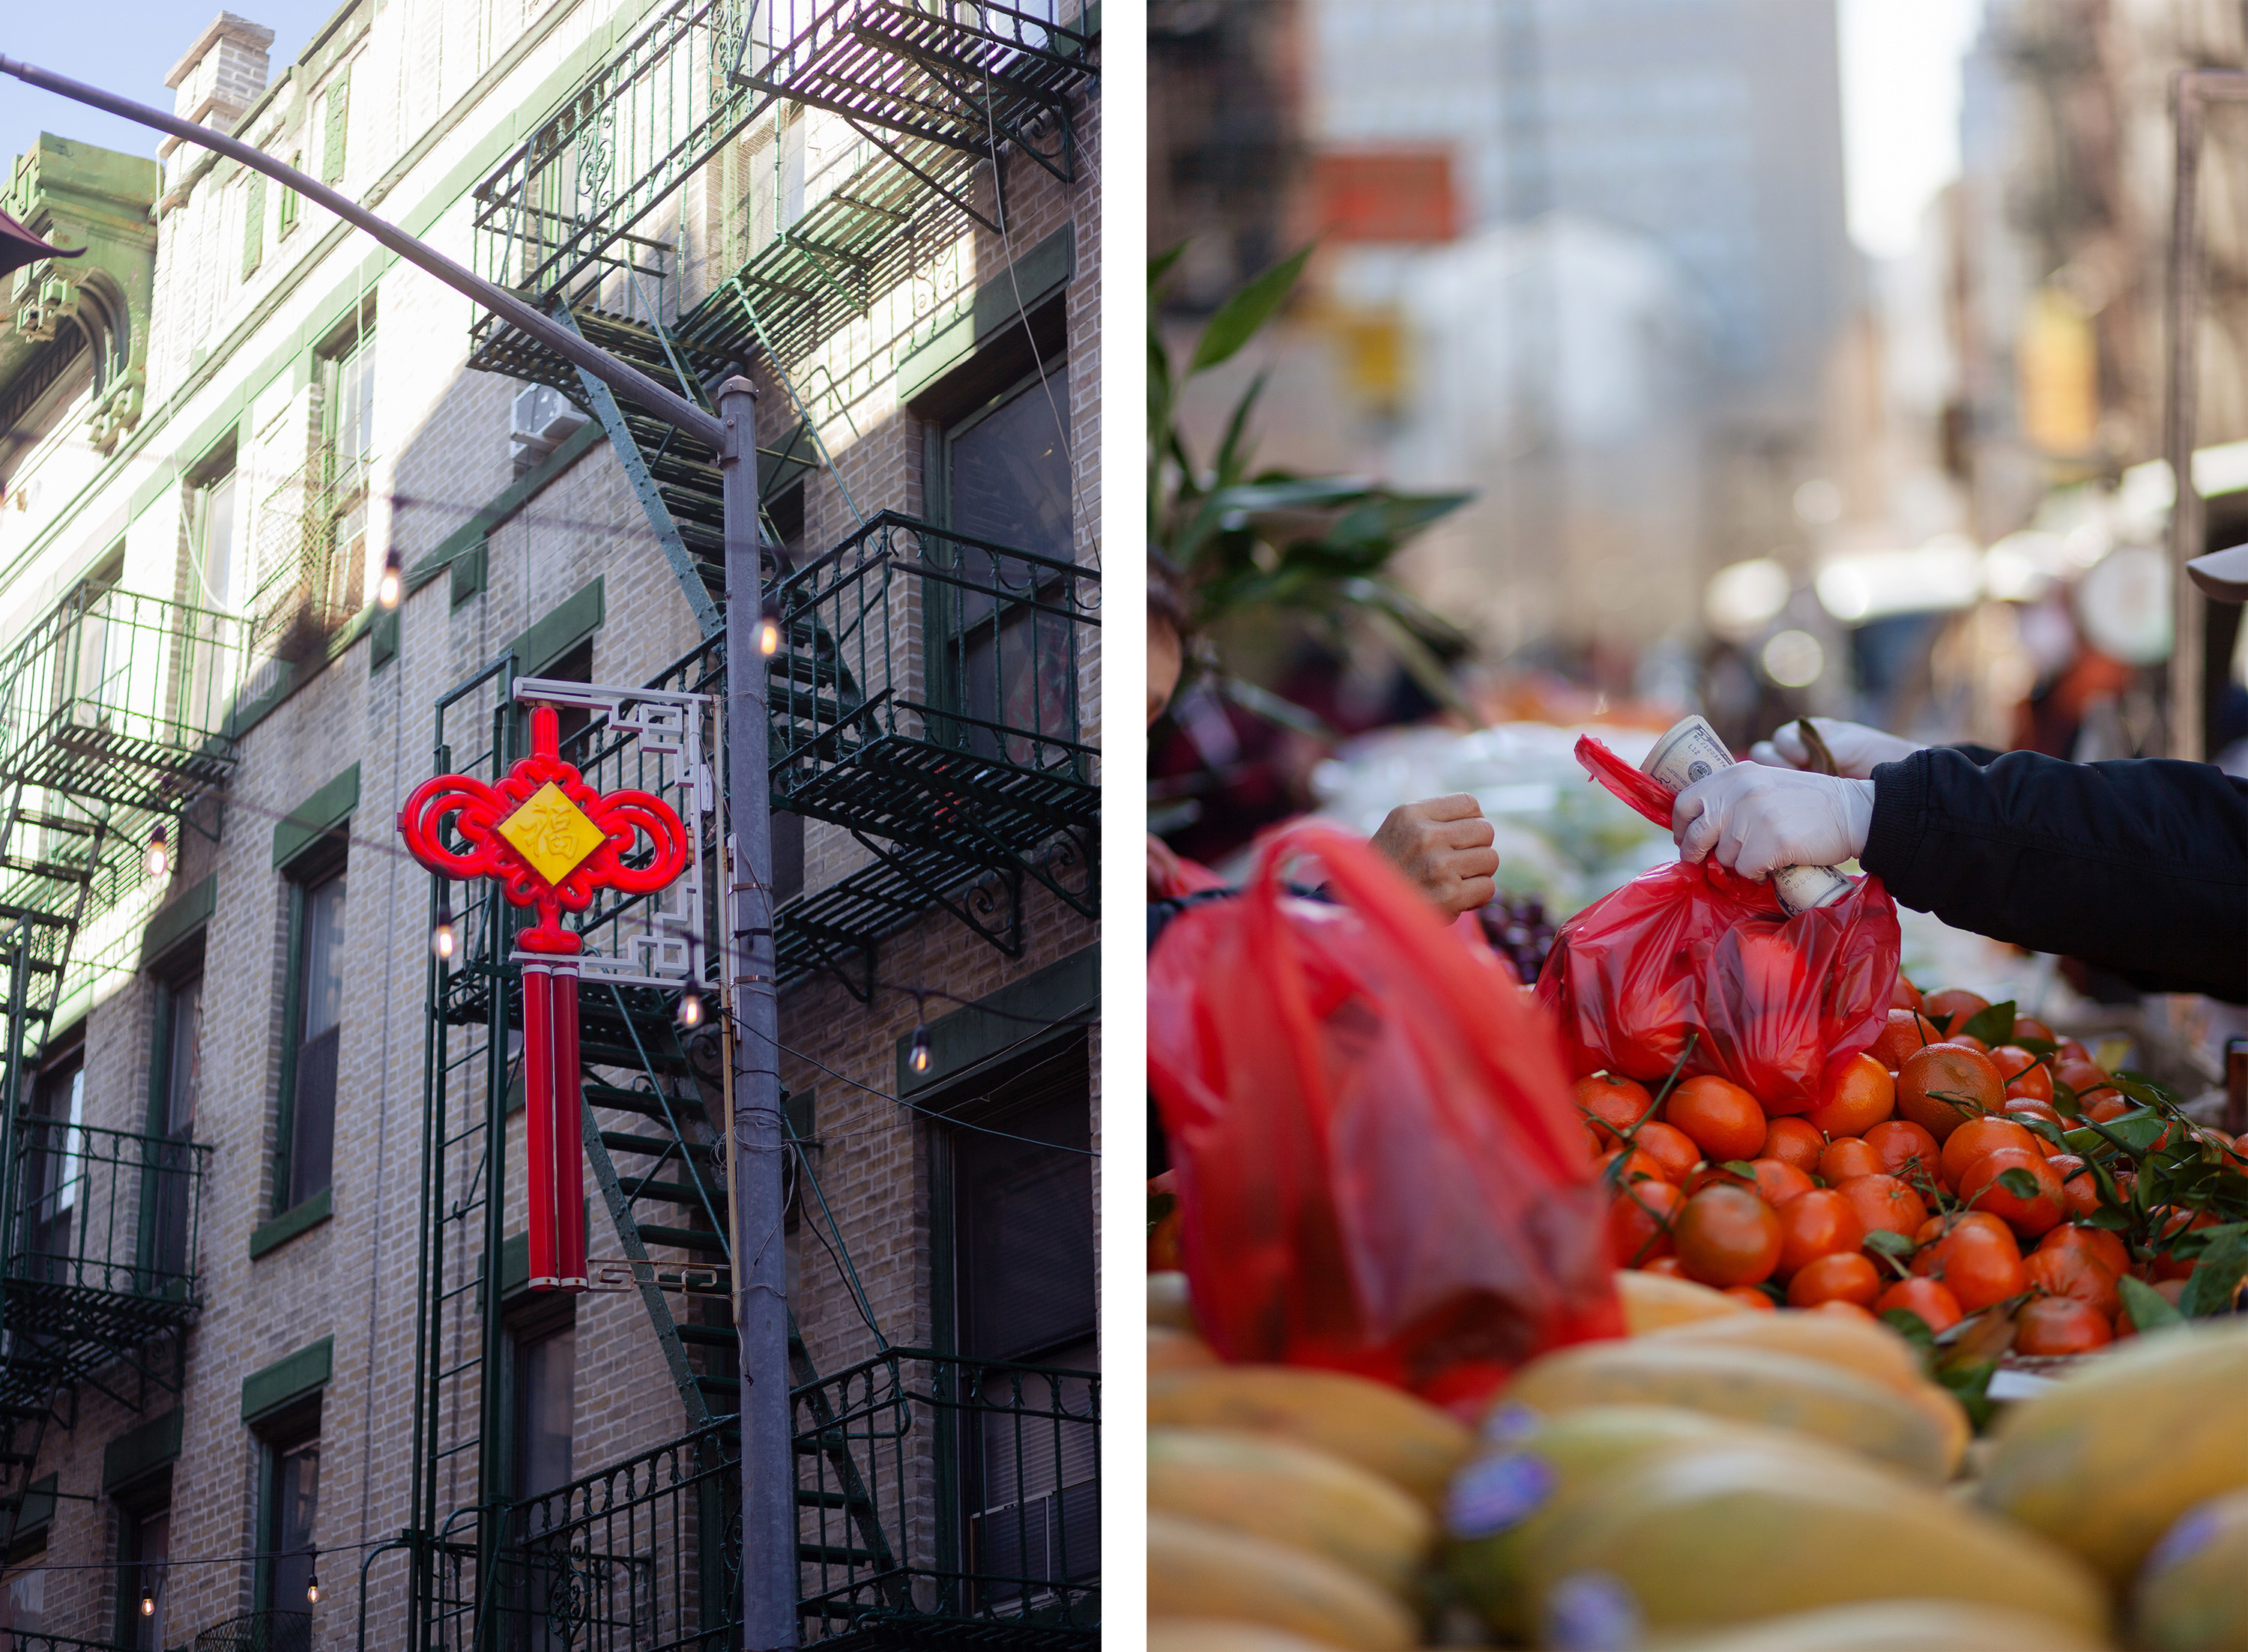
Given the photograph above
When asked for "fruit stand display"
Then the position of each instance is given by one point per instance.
(1945, 1354)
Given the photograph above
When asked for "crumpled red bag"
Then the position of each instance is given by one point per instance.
(1770, 1001)
(1378, 1164)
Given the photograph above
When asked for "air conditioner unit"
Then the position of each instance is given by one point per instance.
(543, 419)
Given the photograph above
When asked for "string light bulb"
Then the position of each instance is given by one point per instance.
(160, 852)
(147, 1602)
(690, 1009)
(442, 939)
(769, 628)
(917, 1057)
(392, 586)
(313, 1578)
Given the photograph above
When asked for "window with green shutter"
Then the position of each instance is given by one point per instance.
(289, 199)
(332, 159)
(253, 224)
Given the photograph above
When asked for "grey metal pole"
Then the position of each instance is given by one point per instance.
(619, 376)
(2193, 90)
(769, 1523)
(2180, 407)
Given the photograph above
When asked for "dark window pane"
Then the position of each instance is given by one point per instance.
(291, 1523)
(324, 957)
(147, 1545)
(182, 1061)
(56, 1174)
(312, 1124)
(1009, 473)
(173, 1159)
(545, 1396)
(24, 1604)
(1025, 1214)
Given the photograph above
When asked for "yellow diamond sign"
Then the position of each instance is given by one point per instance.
(552, 832)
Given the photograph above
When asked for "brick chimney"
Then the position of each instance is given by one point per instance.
(221, 75)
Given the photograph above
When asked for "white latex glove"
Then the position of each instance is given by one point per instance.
(1444, 845)
(1855, 747)
(1756, 819)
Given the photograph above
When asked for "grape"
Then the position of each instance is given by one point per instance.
(1517, 927)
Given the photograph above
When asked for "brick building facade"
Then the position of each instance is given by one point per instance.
(251, 1031)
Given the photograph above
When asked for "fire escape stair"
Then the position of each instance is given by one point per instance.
(680, 1156)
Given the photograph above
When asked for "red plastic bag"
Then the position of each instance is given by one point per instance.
(1771, 1002)
(1378, 1166)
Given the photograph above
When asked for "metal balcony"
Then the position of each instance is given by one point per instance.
(273, 1631)
(947, 1501)
(926, 692)
(941, 1502)
(115, 698)
(102, 1228)
(969, 77)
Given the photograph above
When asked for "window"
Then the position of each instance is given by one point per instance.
(253, 224)
(289, 1507)
(333, 121)
(211, 539)
(1023, 1288)
(308, 1124)
(23, 1603)
(346, 377)
(288, 213)
(178, 1055)
(546, 1394)
(144, 1548)
(1007, 470)
(1004, 665)
(58, 1108)
(543, 1354)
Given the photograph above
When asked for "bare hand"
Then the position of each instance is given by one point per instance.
(1443, 846)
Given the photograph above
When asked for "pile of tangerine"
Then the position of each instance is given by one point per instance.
(1909, 1138)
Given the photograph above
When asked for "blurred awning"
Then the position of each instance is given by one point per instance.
(18, 247)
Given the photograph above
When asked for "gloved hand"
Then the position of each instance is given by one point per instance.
(1855, 747)
(1444, 845)
(1755, 818)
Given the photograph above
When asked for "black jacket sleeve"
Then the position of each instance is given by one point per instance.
(2140, 866)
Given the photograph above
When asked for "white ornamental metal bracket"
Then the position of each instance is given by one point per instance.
(656, 940)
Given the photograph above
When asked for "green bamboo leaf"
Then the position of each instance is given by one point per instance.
(1240, 316)
(1160, 265)
(1232, 456)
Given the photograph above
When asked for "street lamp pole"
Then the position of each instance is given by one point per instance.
(769, 1523)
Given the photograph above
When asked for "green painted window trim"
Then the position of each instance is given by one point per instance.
(381, 640)
(333, 126)
(1036, 276)
(310, 821)
(1066, 991)
(38, 1512)
(293, 1377)
(571, 622)
(142, 1452)
(470, 569)
(177, 920)
(253, 224)
(471, 534)
(301, 1217)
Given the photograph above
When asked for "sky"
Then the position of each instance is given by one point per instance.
(1900, 111)
(130, 53)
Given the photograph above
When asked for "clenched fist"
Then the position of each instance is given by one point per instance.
(1443, 846)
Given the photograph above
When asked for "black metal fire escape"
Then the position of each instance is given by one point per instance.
(960, 774)
(112, 719)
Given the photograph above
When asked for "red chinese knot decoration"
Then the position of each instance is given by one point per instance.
(552, 843)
